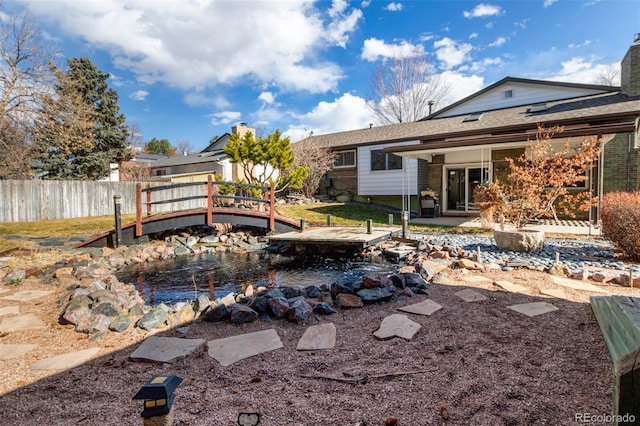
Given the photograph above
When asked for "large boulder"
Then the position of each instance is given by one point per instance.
(519, 240)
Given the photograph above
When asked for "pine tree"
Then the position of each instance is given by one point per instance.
(84, 131)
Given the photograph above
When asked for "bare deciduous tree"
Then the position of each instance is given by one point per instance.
(135, 138)
(319, 160)
(608, 76)
(25, 75)
(184, 147)
(402, 88)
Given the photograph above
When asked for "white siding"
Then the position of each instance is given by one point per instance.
(386, 182)
(523, 94)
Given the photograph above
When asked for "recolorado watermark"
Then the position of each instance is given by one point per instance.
(604, 418)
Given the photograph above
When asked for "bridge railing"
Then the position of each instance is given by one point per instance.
(210, 196)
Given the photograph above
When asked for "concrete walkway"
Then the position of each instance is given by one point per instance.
(571, 227)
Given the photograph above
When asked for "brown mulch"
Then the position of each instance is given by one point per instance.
(470, 364)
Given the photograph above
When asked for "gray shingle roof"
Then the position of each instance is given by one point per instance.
(607, 106)
(179, 160)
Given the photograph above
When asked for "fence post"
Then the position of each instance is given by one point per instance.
(138, 209)
(209, 200)
(117, 212)
(272, 207)
(148, 200)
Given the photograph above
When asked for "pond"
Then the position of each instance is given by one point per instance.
(218, 274)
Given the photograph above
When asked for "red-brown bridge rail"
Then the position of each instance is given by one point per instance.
(211, 212)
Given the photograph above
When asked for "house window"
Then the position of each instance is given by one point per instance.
(508, 93)
(385, 161)
(161, 172)
(345, 159)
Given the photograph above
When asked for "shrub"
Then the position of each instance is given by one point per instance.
(620, 213)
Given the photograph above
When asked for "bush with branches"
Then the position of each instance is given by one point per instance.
(620, 213)
(317, 158)
(542, 182)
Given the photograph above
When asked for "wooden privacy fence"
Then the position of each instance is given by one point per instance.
(34, 200)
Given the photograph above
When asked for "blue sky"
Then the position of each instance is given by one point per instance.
(190, 69)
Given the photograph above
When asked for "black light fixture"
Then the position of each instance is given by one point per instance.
(158, 395)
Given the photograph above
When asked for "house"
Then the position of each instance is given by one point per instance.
(198, 166)
(458, 147)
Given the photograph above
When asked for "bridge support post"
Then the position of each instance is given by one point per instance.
(148, 200)
(329, 220)
(138, 209)
(209, 200)
(272, 207)
(117, 213)
(369, 226)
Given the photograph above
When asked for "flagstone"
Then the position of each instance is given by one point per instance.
(165, 349)
(26, 295)
(235, 348)
(577, 285)
(426, 307)
(397, 325)
(22, 322)
(10, 310)
(469, 295)
(534, 308)
(318, 337)
(14, 351)
(65, 361)
(509, 286)
(554, 292)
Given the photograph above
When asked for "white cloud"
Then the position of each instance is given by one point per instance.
(394, 7)
(267, 97)
(200, 98)
(365, 3)
(473, 35)
(347, 112)
(579, 70)
(139, 95)
(481, 66)
(578, 45)
(460, 86)
(375, 49)
(548, 3)
(450, 53)
(483, 10)
(498, 42)
(225, 117)
(274, 41)
(522, 24)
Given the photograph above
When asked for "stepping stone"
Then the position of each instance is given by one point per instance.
(10, 310)
(426, 307)
(577, 285)
(534, 308)
(14, 351)
(26, 295)
(22, 322)
(65, 361)
(469, 295)
(558, 293)
(476, 279)
(397, 325)
(317, 337)
(509, 286)
(235, 348)
(165, 349)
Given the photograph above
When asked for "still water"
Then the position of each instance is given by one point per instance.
(215, 275)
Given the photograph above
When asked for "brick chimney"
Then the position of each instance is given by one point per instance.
(630, 69)
(242, 128)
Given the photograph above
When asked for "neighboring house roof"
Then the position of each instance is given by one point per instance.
(601, 112)
(180, 160)
(218, 144)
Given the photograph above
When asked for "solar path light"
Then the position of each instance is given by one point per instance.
(158, 397)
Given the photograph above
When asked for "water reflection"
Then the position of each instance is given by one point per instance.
(216, 275)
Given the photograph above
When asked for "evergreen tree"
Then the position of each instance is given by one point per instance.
(84, 131)
(160, 147)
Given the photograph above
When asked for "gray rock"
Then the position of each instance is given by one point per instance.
(294, 291)
(182, 251)
(120, 324)
(521, 240)
(274, 294)
(106, 309)
(95, 324)
(191, 241)
(137, 310)
(228, 300)
(201, 304)
(14, 276)
(260, 304)
(153, 319)
(299, 312)
(313, 291)
(218, 314)
(242, 314)
(278, 307)
(373, 295)
(323, 309)
(77, 315)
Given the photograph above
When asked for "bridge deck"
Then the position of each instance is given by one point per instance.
(339, 237)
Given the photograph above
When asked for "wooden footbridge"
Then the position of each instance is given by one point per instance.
(222, 202)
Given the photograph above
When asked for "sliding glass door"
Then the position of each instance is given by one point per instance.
(460, 183)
